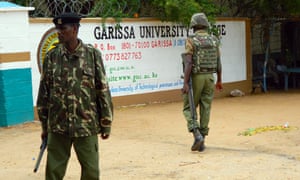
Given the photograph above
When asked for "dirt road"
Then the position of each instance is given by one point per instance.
(151, 142)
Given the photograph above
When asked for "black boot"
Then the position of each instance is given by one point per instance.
(198, 140)
(202, 147)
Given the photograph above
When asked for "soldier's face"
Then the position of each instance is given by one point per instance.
(66, 32)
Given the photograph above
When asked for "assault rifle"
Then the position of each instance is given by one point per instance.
(190, 93)
(42, 149)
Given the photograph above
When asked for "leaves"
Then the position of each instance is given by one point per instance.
(261, 8)
(176, 10)
(115, 8)
(253, 131)
(180, 11)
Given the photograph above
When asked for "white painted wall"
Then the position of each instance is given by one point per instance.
(14, 27)
(163, 62)
(14, 34)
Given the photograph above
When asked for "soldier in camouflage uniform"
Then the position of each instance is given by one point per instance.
(202, 60)
(74, 102)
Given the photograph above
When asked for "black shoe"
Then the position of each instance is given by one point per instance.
(202, 147)
(198, 143)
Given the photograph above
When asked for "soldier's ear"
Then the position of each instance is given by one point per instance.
(75, 27)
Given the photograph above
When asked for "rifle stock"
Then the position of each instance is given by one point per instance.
(190, 93)
(42, 149)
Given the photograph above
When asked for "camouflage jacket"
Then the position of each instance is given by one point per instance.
(74, 97)
(204, 49)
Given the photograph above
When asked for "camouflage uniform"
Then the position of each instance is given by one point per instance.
(74, 105)
(74, 98)
(202, 78)
(203, 62)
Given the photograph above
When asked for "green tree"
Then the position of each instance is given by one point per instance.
(179, 11)
(114, 8)
(20, 2)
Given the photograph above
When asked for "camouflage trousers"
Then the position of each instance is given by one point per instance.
(203, 90)
(59, 150)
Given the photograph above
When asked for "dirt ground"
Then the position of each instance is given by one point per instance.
(151, 142)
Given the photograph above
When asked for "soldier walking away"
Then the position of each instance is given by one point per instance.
(74, 102)
(201, 62)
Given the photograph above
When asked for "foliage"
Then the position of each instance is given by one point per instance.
(114, 8)
(179, 11)
(176, 10)
(259, 9)
(20, 2)
(253, 131)
(262, 12)
(182, 10)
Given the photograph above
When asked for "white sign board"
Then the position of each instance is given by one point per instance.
(233, 50)
(143, 57)
(139, 57)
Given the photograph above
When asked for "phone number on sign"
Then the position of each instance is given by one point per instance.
(122, 56)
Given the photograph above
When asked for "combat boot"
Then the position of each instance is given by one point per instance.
(202, 146)
(198, 140)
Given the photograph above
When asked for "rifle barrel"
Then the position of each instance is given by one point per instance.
(42, 149)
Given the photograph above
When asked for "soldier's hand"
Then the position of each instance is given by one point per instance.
(104, 136)
(185, 88)
(219, 86)
(44, 135)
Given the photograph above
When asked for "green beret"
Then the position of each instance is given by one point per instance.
(67, 18)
